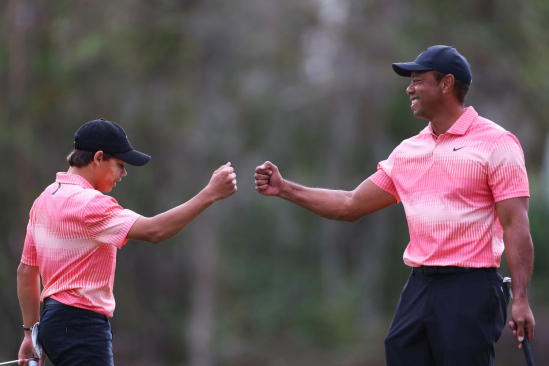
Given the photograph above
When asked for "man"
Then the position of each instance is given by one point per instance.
(72, 237)
(463, 184)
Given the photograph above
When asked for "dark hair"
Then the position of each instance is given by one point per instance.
(459, 86)
(81, 158)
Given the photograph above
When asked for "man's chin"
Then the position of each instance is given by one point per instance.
(419, 114)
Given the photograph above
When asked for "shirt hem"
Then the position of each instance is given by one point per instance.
(79, 306)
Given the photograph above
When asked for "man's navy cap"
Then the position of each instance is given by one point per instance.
(108, 137)
(444, 59)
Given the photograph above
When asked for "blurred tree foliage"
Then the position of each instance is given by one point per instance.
(306, 84)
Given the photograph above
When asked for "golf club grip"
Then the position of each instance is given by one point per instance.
(527, 351)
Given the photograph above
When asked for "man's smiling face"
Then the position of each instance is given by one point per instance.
(425, 93)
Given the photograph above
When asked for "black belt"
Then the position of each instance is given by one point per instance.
(434, 270)
(48, 301)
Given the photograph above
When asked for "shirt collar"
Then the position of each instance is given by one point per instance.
(66, 178)
(460, 126)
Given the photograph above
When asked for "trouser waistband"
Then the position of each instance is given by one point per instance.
(48, 301)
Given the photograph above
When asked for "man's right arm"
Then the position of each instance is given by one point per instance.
(331, 204)
(167, 224)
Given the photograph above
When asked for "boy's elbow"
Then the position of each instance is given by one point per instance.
(155, 237)
(149, 230)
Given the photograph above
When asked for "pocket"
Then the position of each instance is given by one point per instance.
(501, 301)
(98, 320)
(53, 333)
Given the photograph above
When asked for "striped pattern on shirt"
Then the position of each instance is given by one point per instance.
(449, 185)
(73, 234)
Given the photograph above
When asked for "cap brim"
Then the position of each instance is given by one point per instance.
(406, 68)
(133, 157)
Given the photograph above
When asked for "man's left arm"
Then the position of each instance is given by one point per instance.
(513, 216)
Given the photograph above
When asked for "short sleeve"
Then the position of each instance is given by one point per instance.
(107, 222)
(29, 249)
(507, 175)
(382, 178)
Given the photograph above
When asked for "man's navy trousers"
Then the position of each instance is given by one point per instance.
(73, 336)
(447, 319)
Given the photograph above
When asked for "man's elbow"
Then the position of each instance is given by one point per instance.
(353, 218)
(350, 217)
(349, 213)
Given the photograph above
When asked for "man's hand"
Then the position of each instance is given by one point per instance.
(268, 180)
(523, 320)
(223, 182)
(27, 351)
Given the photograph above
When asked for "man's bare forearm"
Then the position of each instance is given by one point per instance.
(330, 204)
(520, 258)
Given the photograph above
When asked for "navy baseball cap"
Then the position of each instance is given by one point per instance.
(444, 59)
(108, 137)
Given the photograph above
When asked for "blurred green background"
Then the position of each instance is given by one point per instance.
(306, 84)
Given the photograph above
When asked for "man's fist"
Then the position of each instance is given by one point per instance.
(268, 180)
(223, 182)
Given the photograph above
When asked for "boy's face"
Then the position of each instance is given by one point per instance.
(109, 172)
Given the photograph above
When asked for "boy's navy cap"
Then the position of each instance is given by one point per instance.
(108, 137)
(444, 59)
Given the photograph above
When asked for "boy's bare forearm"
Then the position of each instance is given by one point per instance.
(28, 292)
(171, 222)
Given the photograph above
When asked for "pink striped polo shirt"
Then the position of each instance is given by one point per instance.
(72, 236)
(449, 186)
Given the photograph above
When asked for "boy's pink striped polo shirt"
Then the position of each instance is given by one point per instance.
(449, 186)
(72, 236)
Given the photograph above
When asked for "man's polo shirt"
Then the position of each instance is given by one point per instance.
(72, 236)
(449, 185)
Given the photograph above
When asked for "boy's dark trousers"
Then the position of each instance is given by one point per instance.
(73, 336)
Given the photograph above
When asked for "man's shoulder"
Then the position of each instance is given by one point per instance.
(483, 125)
(492, 134)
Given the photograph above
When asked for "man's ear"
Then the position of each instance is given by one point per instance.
(448, 82)
(98, 157)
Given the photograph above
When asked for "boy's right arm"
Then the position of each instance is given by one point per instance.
(168, 224)
(331, 204)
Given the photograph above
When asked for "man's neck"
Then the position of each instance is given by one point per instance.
(446, 118)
